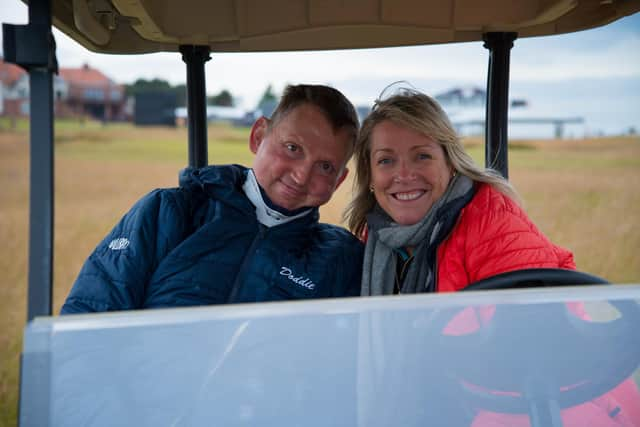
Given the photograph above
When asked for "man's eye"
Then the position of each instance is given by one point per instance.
(292, 147)
(326, 168)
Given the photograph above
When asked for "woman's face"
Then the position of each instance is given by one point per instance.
(409, 172)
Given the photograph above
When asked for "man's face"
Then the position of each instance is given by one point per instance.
(300, 161)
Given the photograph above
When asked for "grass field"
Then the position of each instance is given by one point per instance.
(584, 194)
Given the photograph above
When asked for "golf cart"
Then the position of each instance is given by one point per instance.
(374, 361)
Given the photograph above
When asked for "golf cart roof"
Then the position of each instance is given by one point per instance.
(143, 26)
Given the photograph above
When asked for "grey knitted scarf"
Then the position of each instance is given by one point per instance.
(385, 236)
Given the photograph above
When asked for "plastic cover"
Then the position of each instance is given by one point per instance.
(406, 360)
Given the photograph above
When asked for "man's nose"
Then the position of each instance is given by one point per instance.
(301, 173)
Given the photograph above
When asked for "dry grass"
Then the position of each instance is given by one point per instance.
(584, 194)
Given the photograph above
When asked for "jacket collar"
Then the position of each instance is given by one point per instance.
(265, 211)
(225, 184)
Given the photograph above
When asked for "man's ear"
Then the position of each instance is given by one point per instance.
(342, 177)
(258, 132)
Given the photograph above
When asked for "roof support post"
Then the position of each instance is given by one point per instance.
(32, 47)
(496, 124)
(195, 57)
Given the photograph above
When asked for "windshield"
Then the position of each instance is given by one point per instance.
(422, 360)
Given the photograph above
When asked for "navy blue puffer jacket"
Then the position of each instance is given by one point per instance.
(202, 244)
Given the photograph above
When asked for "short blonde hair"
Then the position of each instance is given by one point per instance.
(416, 111)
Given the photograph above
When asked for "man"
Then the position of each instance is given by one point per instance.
(230, 234)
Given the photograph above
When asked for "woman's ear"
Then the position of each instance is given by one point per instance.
(452, 169)
(258, 132)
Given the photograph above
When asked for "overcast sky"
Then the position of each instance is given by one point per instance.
(610, 52)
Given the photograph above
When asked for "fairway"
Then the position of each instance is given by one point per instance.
(583, 194)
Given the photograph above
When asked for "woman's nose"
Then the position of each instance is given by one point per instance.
(404, 173)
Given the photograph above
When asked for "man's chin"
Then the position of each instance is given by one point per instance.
(288, 204)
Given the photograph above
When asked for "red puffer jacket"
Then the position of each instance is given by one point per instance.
(492, 236)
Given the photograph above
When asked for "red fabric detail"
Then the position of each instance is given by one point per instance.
(621, 402)
(364, 235)
(494, 235)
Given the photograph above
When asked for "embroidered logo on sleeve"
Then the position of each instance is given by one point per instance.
(119, 244)
(305, 282)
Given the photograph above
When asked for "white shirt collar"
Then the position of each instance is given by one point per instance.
(266, 216)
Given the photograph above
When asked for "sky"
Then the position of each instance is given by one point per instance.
(601, 61)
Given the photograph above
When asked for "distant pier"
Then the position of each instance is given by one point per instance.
(557, 122)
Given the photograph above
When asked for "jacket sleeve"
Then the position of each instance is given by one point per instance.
(115, 275)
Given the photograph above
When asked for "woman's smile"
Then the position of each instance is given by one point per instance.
(408, 196)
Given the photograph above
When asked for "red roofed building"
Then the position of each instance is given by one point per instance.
(92, 93)
(77, 92)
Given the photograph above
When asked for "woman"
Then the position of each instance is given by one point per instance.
(421, 200)
(434, 221)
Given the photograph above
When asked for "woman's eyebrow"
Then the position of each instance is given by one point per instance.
(386, 150)
(429, 146)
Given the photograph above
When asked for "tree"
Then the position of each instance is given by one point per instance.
(223, 99)
(268, 97)
(181, 94)
(142, 85)
(158, 85)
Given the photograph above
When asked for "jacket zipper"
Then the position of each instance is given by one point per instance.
(237, 284)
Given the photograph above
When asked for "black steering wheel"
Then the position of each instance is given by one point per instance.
(561, 362)
(536, 277)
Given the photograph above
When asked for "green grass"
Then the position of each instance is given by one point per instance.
(585, 195)
(22, 125)
(161, 150)
(124, 143)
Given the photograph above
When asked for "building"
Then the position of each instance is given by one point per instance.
(155, 108)
(12, 96)
(462, 97)
(78, 92)
(92, 93)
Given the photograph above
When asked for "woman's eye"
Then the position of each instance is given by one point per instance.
(424, 156)
(384, 161)
(292, 147)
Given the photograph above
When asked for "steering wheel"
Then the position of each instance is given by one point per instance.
(561, 362)
(536, 277)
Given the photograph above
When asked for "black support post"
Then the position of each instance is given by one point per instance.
(496, 124)
(32, 47)
(195, 57)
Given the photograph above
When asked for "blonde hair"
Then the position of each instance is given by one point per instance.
(414, 110)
